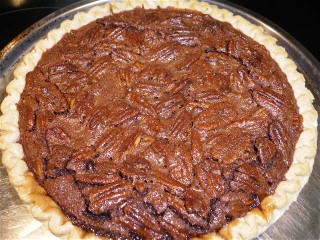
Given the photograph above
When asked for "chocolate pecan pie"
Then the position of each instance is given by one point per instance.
(159, 123)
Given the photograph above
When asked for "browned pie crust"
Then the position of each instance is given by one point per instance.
(159, 124)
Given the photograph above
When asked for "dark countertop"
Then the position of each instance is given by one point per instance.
(298, 18)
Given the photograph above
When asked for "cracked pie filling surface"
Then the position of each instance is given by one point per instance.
(159, 123)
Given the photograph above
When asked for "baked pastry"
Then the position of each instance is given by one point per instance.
(159, 123)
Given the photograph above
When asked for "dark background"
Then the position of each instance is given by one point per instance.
(301, 19)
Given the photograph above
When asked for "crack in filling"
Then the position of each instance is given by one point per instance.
(158, 124)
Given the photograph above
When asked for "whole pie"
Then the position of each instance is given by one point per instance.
(158, 120)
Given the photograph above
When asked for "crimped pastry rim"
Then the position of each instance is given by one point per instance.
(256, 221)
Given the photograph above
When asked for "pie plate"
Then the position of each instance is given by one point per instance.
(301, 221)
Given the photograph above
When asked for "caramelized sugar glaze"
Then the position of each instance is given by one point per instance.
(158, 124)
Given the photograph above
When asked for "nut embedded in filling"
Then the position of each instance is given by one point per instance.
(158, 124)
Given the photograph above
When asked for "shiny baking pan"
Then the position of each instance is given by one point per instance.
(301, 221)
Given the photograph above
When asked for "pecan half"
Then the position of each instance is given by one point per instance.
(210, 178)
(168, 107)
(179, 206)
(157, 197)
(138, 211)
(51, 98)
(280, 137)
(169, 183)
(42, 120)
(249, 179)
(209, 97)
(57, 136)
(216, 116)
(27, 112)
(197, 202)
(179, 164)
(184, 37)
(135, 167)
(81, 105)
(196, 147)
(174, 225)
(236, 204)
(142, 104)
(266, 150)
(180, 130)
(81, 160)
(97, 117)
(104, 198)
(271, 101)
(164, 53)
(230, 147)
(124, 117)
(124, 56)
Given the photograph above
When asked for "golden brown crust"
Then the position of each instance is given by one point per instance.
(255, 222)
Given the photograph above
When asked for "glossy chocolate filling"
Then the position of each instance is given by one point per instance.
(158, 124)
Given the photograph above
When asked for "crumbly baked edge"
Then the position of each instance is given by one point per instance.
(255, 222)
